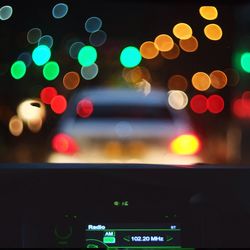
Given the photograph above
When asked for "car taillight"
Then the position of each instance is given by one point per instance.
(187, 144)
(64, 144)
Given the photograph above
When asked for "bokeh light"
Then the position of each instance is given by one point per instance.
(89, 73)
(41, 55)
(215, 104)
(189, 45)
(64, 144)
(51, 71)
(31, 110)
(246, 97)
(46, 40)
(6, 12)
(218, 79)
(136, 74)
(71, 80)
(185, 145)
(18, 70)
(208, 12)
(178, 82)
(35, 125)
(75, 49)
(130, 57)
(245, 62)
(87, 56)
(201, 81)
(241, 106)
(232, 76)
(123, 129)
(93, 24)
(164, 43)
(16, 126)
(177, 99)
(148, 50)
(59, 104)
(47, 94)
(198, 104)
(34, 35)
(182, 31)
(144, 86)
(172, 54)
(26, 58)
(213, 32)
(60, 10)
(85, 108)
(98, 38)
(239, 110)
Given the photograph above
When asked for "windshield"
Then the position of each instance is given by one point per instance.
(138, 82)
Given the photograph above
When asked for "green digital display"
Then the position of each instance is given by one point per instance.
(133, 236)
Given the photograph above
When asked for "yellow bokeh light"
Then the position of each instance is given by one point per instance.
(182, 31)
(189, 45)
(172, 54)
(177, 82)
(16, 126)
(164, 43)
(213, 32)
(208, 12)
(148, 50)
(218, 79)
(201, 81)
(185, 145)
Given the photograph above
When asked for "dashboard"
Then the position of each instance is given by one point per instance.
(124, 206)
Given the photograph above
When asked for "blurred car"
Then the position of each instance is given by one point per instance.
(124, 126)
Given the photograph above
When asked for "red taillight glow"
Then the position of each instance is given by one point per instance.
(185, 145)
(64, 144)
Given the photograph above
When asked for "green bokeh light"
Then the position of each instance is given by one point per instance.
(87, 56)
(41, 55)
(130, 57)
(245, 62)
(51, 71)
(18, 70)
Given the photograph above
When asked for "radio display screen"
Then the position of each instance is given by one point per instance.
(116, 236)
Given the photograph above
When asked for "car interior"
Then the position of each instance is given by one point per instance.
(124, 124)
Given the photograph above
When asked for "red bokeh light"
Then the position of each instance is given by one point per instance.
(199, 104)
(85, 108)
(215, 104)
(47, 94)
(241, 108)
(64, 144)
(59, 104)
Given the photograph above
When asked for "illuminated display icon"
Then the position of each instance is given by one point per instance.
(109, 238)
(121, 203)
